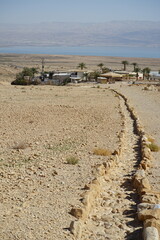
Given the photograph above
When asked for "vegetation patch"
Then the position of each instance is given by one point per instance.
(153, 147)
(26, 77)
(101, 152)
(62, 146)
(151, 140)
(72, 160)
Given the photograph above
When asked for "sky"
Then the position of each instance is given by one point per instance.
(37, 11)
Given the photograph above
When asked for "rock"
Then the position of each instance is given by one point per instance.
(143, 206)
(151, 233)
(150, 197)
(104, 217)
(54, 173)
(152, 223)
(76, 212)
(150, 88)
(149, 214)
(76, 229)
(156, 206)
(146, 153)
(140, 182)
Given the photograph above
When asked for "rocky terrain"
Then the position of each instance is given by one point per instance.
(42, 127)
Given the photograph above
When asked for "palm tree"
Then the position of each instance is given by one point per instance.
(146, 72)
(86, 76)
(100, 65)
(137, 70)
(95, 75)
(81, 66)
(134, 65)
(125, 63)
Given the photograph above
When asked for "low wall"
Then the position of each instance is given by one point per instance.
(149, 208)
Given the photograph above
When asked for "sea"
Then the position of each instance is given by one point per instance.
(137, 52)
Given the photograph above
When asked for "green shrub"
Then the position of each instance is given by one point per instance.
(25, 77)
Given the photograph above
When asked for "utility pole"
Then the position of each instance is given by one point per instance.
(42, 65)
(42, 68)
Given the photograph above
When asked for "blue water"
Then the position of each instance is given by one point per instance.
(146, 52)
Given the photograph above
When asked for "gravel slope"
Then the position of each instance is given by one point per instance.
(40, 127)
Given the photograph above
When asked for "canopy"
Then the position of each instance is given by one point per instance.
(111, 74)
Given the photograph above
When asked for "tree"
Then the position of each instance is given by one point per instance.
(95, 75)
(137, 70)
(25, 77)
(125, 63)
(100, 65)
(105, 70)
(34, 70)
(146, 72)
(27, 72)
(134, 65)
(86, 76)
(81, 66)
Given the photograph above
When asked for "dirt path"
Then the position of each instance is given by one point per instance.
(115, 210)
(146, 104)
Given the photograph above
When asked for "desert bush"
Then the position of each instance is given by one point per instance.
(150, 139)
(153, 147)
(72, 160)
(101, 152)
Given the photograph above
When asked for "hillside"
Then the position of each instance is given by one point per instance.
(114, 33)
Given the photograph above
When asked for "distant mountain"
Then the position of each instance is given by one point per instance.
(122, 33)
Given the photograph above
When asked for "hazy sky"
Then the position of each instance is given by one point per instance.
(34, 11)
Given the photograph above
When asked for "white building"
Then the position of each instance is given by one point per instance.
(154, 75)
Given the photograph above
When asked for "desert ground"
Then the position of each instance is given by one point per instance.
(44, 128)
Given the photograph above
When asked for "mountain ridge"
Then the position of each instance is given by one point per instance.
(113, 33)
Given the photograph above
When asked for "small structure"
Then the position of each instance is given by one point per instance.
(130, 75)
(154, 75)
(76, 76)
(111, 76)
(102, 80)
(56, 78)
(61, 78)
